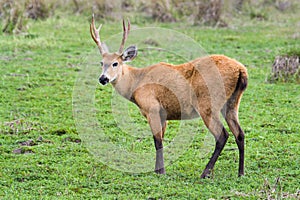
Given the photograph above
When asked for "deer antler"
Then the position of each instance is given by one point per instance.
(125, 34)
(95, 35)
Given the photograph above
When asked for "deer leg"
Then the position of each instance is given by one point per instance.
(230, 113)
(221, 135)
(164, 126)
(240, 141)
(231, 117)
(220, 143)
(157, 129)
(159, 162)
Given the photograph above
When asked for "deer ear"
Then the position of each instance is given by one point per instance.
(129, 54)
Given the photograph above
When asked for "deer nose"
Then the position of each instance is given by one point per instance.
(103, 80)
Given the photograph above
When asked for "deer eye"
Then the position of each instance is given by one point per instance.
(101, 63)
(115, 64)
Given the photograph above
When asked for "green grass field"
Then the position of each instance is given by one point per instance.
(42, 156)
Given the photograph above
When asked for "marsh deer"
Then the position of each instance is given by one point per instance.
(204, 87)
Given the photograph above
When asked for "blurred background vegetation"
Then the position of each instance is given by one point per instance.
(14, 14)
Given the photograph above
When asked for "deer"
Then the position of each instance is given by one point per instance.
(208, 87)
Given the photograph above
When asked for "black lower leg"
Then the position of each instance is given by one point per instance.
(159, 163)
(240, 141)
(220, 143)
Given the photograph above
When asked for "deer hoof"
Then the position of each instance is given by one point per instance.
(160, 171)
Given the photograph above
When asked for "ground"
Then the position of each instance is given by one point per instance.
(43, 156)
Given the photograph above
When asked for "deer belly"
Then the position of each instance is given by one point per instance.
(181, 113)
(177, 108)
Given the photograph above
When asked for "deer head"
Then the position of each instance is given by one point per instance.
(112, 63)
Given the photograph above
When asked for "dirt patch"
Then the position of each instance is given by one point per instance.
(28, 143)
(22, 151)
(70, 139)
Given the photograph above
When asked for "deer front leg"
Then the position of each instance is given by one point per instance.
(157, 127)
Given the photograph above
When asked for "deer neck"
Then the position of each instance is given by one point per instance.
(126, 83)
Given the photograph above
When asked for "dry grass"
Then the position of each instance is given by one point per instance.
(14, 14)
(286, 68)
(209, 12)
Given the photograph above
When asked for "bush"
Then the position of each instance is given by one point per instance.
(12, 14)
(162, 11)
(286, 68)
(206, 12)
(209, 12)
(15, 14)
(38, 9)
(283, 5)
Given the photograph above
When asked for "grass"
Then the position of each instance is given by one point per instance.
(42, 156)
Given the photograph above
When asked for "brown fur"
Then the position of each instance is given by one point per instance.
(153, 84)
(204, 87)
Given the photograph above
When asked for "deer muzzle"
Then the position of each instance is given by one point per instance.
(103, 80)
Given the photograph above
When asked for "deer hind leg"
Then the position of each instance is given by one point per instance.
(213, 123)
(158, 126)
(230, 113)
